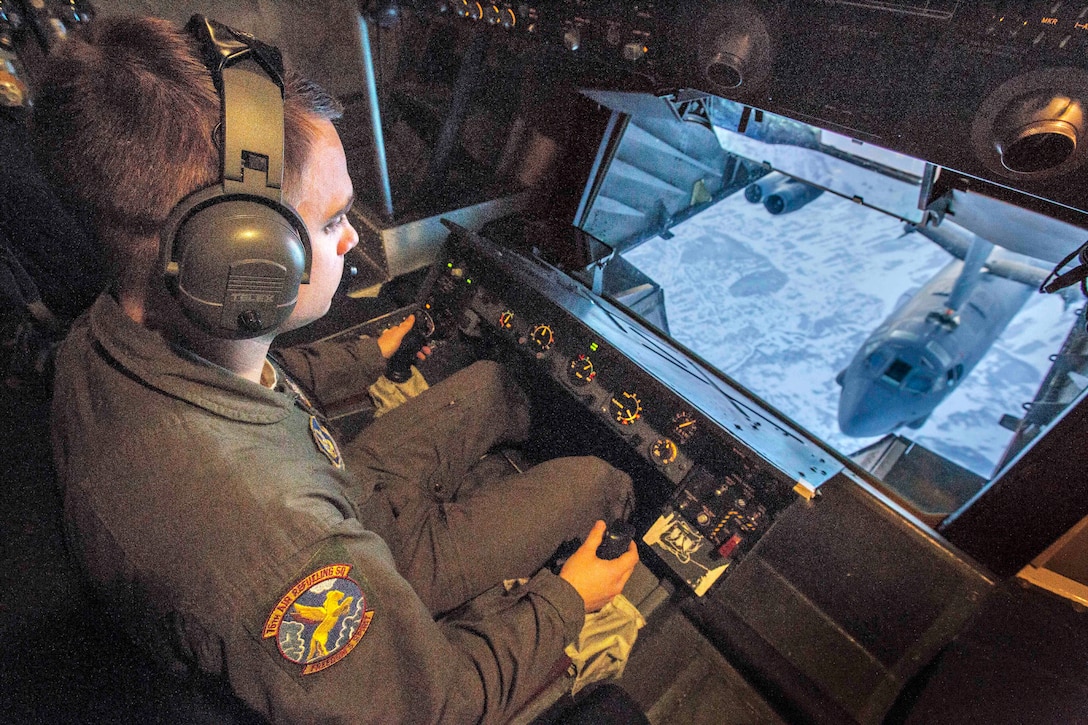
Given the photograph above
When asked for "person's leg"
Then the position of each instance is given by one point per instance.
(510, 527)
(452, 537)
(418, 456)
(504, 529)
(429, 444)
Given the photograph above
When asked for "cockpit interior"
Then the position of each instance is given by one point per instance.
(808, 270)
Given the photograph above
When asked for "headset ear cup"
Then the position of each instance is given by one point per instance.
(234, 254)
(235, 261)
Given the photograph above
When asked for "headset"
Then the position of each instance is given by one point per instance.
(235, 253)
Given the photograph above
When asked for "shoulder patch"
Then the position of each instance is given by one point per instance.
(325, 442)
(320, 619)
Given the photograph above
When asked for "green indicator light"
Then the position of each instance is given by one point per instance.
(449, 264)
(468, 281)
(593, 347)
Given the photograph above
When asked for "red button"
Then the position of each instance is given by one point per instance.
(726, 549)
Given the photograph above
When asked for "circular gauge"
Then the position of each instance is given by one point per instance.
(663, 451)
(542, 336)
(506, 319)
(626, 408)
(684, 426)
(580, 371)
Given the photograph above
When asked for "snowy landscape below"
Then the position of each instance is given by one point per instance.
(781, 304)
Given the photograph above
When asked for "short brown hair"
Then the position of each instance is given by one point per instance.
(124, 123)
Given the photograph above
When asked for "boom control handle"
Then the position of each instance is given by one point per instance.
(616, 541)
(399, 367)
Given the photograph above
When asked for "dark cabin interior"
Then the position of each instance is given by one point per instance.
(479, 138)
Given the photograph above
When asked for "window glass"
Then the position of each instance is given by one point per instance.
(782, 303)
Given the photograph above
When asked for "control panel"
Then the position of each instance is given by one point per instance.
(729, 466)
(48, 20)
(993, 90)
(608, 31)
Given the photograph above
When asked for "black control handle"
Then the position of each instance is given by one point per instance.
(399, 367)
(616, 541)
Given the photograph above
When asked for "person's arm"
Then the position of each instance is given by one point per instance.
(336, 371)
(598, 580)
(392, 662)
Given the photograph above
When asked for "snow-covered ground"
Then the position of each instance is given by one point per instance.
(781, 304)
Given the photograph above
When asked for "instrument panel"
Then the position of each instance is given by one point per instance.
(730, 466)
(597, 376)
(992, 90)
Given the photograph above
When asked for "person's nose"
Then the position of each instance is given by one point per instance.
(348, 241)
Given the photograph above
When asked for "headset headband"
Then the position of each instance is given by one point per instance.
(235, 253)
(230, 55)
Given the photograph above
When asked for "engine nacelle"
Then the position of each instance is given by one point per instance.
(790, 196)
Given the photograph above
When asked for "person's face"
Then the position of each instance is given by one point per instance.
(322, 196)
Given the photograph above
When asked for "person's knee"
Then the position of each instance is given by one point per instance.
(496, 382)
(486, 370)
(609, 488)
(490, 377)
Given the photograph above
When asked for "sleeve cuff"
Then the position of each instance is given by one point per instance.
(564, 598)
(369, 355)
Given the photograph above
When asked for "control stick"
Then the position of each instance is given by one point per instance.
(399, 367)
(616, 541)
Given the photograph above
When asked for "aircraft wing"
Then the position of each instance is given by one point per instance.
(957, 240)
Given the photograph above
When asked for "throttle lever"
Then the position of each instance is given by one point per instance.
(399, 367)
(616, 541)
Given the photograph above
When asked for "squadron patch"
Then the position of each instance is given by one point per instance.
(320, 619)
(325, 442)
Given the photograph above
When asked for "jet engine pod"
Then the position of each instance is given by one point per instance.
(1032, 127)
(735, 53)
(765, 185)
(790, 196)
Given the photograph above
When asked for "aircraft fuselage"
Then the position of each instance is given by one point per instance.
(919, 353)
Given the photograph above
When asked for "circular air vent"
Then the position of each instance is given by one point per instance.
(1032, 127)
(734, 47)
(1038, 146)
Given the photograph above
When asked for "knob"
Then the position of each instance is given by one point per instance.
(725, 70)
(735, 46)
(399, 367)
(616, 540)
(572, 38)
(633, 51)
(1031, 127)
